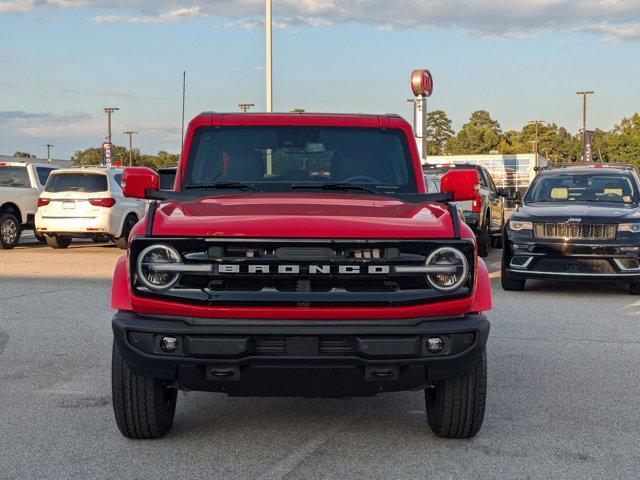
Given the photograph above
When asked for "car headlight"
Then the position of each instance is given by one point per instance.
(629, 227)
(152, 267)
(448, 257)
(516, 225)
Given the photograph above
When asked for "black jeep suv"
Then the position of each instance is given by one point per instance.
(576, 222)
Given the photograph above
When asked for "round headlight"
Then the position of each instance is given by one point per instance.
(447, 256)
(150, 267)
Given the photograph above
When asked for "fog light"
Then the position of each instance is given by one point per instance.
(169, 344)
(435, 344)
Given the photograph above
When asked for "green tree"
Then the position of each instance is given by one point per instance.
(93, 156)
(23, 155)
(622, 144)
(480, 135)
(439, 132)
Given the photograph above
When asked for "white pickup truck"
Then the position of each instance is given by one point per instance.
(20, 186)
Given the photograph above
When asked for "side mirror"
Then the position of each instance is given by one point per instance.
(462, 184)
(503, 192)
(137, 181)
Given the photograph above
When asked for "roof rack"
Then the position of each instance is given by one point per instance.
(556, 166)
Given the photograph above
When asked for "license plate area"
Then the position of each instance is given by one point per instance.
(68, 205)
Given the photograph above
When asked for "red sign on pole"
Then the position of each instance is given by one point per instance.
(421, 83)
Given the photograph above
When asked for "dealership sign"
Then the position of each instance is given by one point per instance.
(421, 83)
(107, 154)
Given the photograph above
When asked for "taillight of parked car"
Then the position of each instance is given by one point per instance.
(476, 204)
(43, 202)
(102, 202)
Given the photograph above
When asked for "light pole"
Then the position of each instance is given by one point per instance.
(131, 133)
(535, 143)
(245, 107)
(584, 96)
(109, 111)
(49, 147)
(268, 66)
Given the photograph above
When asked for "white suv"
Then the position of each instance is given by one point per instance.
(20, 185)
(86, 203)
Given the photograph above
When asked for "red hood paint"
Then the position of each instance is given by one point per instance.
(303, 216)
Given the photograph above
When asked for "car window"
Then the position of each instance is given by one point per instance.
(583, 187)
(275, 158)
(76, 182)
(43, 174)
(492, 185)
(118, 179)
(17, 177)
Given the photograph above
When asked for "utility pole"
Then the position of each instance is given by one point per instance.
(49, 147)
(584, 96)
(268, 26)
(109, 111)
(535, 143)
(245, 107)
(131, 133)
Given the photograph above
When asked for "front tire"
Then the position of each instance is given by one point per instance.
(634, 288)
(10, 230)
(483, 240)
(129, 223)
(455, 407)
(57, 242)
(508, 283)
(144, 407)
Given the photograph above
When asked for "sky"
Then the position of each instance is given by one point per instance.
(62, 61)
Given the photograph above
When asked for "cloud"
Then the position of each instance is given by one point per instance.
(171, 16)
(12, 84)
(612, 21)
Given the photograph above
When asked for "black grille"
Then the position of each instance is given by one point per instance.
(562, 265)
(306, 286)
(576, 231)
(276, 345)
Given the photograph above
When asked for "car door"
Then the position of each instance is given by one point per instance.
(497, 204)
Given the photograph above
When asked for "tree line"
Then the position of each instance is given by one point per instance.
(483, 134)
(93, 156)
(480, 135)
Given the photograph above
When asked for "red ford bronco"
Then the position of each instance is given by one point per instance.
(299, 254)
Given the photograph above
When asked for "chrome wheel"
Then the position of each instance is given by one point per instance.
(9, 231)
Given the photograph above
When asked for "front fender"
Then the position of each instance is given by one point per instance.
(482, 300)
(120, 290)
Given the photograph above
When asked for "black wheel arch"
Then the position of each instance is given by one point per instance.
(12, 208)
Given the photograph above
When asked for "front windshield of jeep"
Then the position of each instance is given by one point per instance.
(583, 187)
(280, 158)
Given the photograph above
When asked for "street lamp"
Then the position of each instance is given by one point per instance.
(109, 111)
(131, 133)
(268, 67)
(535, 142)
(49, 147)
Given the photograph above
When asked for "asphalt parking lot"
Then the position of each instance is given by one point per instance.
(564, 367)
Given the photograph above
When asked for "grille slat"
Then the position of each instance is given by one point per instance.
(575, 231)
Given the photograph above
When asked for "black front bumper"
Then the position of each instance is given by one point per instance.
(604, 262)
(300, 357)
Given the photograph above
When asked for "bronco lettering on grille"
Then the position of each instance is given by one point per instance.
(310, 269)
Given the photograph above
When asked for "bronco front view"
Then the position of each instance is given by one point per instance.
(300, 255)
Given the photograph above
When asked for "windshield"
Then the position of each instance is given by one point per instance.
(76, 182)
(583, 187)
(277, 158)
(14, 177)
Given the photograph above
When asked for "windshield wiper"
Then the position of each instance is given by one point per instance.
(334, 186)
(223, 186)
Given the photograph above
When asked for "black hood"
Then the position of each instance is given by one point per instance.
(587, 212)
